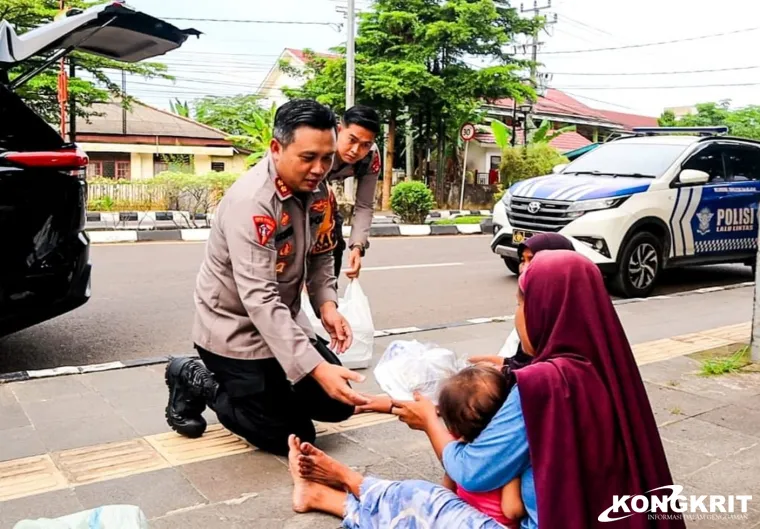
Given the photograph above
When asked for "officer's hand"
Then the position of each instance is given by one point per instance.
(354, 263)
(334, 380)
(337, 327)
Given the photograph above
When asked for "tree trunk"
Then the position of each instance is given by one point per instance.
(440, 165)
(390, 151)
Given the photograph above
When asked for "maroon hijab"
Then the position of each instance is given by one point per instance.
(590, 426)
(545, 241)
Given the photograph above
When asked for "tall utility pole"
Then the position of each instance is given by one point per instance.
(536, 10)
(348, 183)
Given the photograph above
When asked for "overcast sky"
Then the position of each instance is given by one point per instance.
(233, 58)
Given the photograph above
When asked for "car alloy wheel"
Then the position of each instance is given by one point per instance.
(643, 266)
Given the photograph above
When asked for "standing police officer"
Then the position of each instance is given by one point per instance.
(357, 157)
(266, 376)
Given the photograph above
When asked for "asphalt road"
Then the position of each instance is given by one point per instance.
(142, 297)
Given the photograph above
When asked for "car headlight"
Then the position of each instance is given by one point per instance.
(507, 200)
(584, 206)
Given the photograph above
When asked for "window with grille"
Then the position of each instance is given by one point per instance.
(217, 167)
(123, 170)
(94, 169)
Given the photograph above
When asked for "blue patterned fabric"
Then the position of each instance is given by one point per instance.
(411, 504)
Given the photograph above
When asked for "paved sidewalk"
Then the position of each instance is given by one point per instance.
(76, 442)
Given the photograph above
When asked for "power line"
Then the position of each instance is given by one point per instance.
(595, 74)
(601, 101)
(244, 21)
(649, 44)
(656, 87)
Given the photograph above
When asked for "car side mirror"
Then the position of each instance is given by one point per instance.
(693, 176)
(559, 168)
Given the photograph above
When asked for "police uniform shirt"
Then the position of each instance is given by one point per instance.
(261, 249)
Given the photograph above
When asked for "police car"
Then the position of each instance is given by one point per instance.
(659, 198)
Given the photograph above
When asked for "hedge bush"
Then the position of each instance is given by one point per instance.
(412, 201)
(519, 163)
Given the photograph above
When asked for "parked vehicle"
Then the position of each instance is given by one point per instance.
(45, 268)
(644, 203)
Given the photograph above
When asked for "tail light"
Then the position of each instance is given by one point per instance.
(75, 160)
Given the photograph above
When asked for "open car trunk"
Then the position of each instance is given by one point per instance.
(45, 269)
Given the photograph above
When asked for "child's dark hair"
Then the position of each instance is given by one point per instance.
(470, 399)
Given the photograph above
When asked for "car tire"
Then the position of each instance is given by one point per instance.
(639, 266)
(513, 265)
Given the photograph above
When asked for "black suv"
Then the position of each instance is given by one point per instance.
(44, 265)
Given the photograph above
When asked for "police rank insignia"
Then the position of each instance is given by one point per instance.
(280, 267)
(375, 167)
(265, 227)
(285, 219)
(284, 190)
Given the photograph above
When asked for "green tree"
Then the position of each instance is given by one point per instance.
(257, 134)
(743, 122)
(519, 163)
(417, 55)
(41, 92)
(228, 113)
(181, 108)
(545, 133)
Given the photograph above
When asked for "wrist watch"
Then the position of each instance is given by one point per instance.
(360, 247)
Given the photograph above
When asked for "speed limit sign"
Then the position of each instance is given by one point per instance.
(467, 132)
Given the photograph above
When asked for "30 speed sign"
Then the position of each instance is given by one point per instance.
(467, 132)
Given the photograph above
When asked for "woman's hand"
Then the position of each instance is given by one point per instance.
(419, 414)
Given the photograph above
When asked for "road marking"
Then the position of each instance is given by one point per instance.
(405, 267)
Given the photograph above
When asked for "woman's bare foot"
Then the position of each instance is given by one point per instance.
(315, 465)
(307, 495)
(301, 488)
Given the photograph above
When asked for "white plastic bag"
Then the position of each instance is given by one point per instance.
(509, 349)
(354, 306)
(107, 517)
(410, 366)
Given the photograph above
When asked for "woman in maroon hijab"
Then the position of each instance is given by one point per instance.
(582, 406)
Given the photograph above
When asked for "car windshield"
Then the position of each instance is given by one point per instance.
(645, 160)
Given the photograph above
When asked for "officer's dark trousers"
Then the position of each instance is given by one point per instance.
(256, 401)
(340, 245)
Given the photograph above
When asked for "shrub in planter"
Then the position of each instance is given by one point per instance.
(412, 201)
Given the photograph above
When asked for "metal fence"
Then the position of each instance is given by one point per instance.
(132, 196)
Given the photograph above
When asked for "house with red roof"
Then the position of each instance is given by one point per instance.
(277, 79)
(560, 109)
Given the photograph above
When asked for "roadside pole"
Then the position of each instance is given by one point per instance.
(467, 133)
(755, 340)
(348, 186)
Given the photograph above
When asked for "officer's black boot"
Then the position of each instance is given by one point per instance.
(191, 385)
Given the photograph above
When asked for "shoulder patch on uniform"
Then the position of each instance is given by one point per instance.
(282, 189)
(320, 206)
(285, 219)
(265, 227)
(375, 165)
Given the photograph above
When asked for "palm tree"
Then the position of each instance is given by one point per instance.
(180, 108)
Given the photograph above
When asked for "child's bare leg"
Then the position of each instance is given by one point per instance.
(309, 496)
(449, 483)
(315, 465)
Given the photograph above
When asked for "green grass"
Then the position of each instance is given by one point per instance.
(721, 365)
(472, 219)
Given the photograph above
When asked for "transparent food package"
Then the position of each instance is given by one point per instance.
(410, 366)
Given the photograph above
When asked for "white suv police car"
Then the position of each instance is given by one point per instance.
(643, 203)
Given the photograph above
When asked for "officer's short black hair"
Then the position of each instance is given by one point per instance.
(363, 116)
(299, 113)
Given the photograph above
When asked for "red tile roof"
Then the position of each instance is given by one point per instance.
(556, 102)
(630, 120)
(301, 56)
(566, 142)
